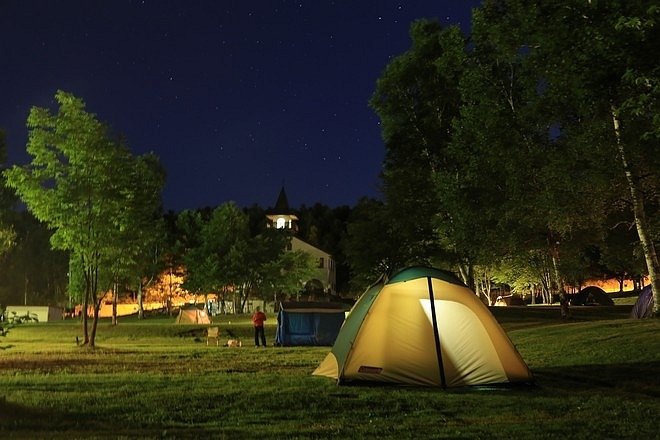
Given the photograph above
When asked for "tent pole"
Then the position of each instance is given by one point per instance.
(436, 334)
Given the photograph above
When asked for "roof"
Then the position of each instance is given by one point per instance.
(282, 204)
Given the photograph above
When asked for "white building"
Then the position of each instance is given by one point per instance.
(282, 217)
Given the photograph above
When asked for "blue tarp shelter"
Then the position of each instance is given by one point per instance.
(309, 323)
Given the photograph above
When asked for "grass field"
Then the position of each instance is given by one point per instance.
(597, 376)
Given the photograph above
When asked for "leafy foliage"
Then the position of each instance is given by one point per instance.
(16, 319)
(7, 234)
(88, 189)
(32, 271)
(221, 255)
(372, 243)
(521, 145)
(416, 99)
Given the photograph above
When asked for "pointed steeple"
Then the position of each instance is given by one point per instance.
(282, 204)
(281, 216)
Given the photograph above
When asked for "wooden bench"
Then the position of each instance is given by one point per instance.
(213, 333)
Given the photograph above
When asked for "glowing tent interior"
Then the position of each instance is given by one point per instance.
(423, 326)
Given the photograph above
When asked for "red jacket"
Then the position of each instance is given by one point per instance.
(258, 319)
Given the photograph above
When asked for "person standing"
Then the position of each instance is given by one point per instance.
(258, 319)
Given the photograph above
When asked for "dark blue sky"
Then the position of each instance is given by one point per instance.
(235, 97)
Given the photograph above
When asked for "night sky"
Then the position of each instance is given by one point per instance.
(235, 97)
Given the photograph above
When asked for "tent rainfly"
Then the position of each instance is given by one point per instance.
(423, 327)
(643, 307)
(192, 315)
(309, 323)
(591, 295)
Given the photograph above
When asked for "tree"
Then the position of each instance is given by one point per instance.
(286, 274)
(458, 150)
(223, 256)
(487, 185)
(539, 101)
(14, 320)
(416, 98)
(275, 271)
(32, 272)
(511, 185)
(532, 147)
(74, 186)
(620, 254)
(7, 234)
(183, 234)
(325, 227)
(372, 244)
(141, 236)
(217, 258)
(602, 87)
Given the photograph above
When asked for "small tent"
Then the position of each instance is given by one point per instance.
(192, 315)
(423, 326)
(309, 323)
(643, 307)
(509, 300)
(592, 295)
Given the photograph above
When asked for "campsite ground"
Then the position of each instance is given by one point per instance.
(596, 377)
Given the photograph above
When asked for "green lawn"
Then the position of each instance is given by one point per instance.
(597, 376)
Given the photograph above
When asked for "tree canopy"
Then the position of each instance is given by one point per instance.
(530, 141)
(7, 234)
(89, 190)
(223, 256)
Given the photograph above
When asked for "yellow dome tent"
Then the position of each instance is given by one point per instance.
(423, 327)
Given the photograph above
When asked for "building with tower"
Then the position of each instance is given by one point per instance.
(281, 216)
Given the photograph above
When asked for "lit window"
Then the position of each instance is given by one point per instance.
(281, 223)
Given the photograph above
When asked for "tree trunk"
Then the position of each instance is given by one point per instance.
(243, 298)
(558, 282)
(641, 223)
(139, 300)
(25, 290)
(95, 322)
(115, 288)
(96, 301)
(546, 287)
(85, 306)
(222, 301)
(169, 296)
(466, 271)
(488, 288)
